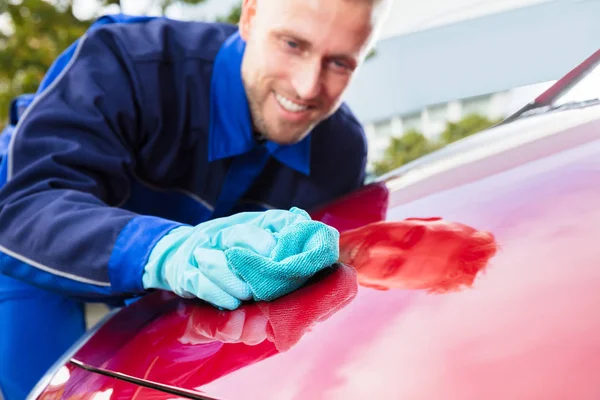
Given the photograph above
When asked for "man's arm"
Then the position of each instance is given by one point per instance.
(68, 171)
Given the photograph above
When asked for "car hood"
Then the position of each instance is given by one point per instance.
(478, 279)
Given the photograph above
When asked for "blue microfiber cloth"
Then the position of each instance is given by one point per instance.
(302, 250)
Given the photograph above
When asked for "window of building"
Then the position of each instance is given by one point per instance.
(411, 122)
(438, 113)
(384, 128)
(477, 105)
(587, 88)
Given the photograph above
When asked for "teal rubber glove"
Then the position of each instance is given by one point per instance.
(192, 262)
(302, 249)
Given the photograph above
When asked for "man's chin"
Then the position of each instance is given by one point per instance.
(285, 138)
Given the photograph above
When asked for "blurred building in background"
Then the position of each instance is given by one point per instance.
(491, 65)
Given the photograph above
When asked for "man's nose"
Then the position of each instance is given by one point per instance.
(307, 80)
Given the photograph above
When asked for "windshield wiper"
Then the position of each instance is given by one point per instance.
(542, 109)
(533, 109)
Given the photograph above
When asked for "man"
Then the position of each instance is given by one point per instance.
(129, 170)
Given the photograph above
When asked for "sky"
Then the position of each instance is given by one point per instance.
(406, 15)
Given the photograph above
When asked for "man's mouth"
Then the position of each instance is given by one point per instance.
(289, 105)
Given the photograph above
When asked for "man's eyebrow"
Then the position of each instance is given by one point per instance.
(347, 57)
(306, 44)
(293, 35)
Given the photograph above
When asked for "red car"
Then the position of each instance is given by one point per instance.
(475, 275)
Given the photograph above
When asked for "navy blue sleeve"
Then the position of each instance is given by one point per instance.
(67, 172)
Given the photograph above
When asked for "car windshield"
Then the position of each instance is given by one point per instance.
(586, 89)
(583, 91)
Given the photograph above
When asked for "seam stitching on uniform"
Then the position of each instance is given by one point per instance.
(10, 173)
(51, 270)
(35, 102)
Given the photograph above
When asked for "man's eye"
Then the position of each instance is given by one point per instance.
(291, 44)
(340, 65)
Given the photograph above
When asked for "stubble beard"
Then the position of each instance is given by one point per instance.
(256, 102)
(261, 127)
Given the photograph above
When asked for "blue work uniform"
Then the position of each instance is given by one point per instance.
(142, 126)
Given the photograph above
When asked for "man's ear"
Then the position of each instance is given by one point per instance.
(247, 18)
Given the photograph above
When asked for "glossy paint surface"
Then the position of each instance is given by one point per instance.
(75, 383)
(476, 280)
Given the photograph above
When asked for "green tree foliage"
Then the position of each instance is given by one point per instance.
(406, 148)
(234, 15)
(163, 4)
(38, 31)
(467, 126)
(371, 54)
(413, 144)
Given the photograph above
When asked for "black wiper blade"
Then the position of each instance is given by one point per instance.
(533, 109)
(181, 393)
(542, 109)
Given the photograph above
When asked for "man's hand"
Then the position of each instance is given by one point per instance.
(258, 255)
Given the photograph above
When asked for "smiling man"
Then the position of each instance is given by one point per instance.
(299, 60)
(146, 147)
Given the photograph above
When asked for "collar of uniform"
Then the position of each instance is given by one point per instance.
(230, 122)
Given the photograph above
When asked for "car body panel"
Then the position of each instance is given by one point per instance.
(471, 273)
(525, 326)
(74, 383)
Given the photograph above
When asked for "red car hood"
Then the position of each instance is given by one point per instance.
(496, 299)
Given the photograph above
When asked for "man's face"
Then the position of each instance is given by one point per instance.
(299, 59)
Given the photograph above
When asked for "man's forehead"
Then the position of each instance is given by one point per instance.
(345, 23)
(376, 9)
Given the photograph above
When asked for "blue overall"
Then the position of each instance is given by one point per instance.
(141, 126)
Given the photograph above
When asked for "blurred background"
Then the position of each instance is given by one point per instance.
(442, 69)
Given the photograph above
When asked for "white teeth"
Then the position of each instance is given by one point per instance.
(289, 105)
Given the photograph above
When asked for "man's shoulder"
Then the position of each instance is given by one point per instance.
(164, 39)
(343, 130)
(339, 151)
